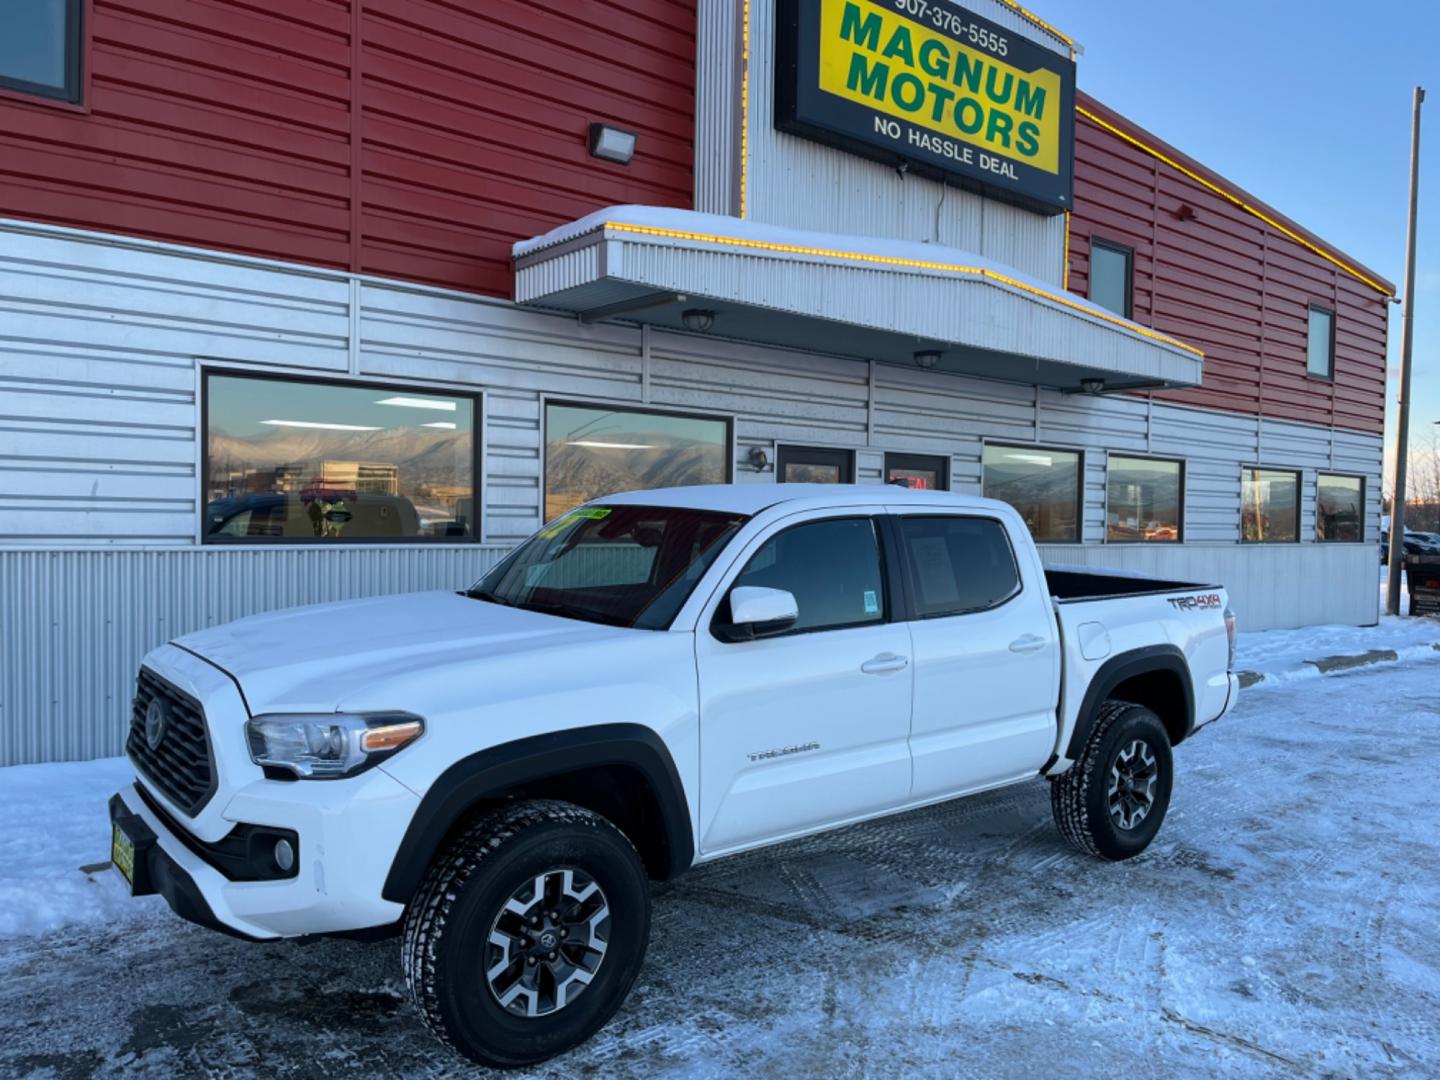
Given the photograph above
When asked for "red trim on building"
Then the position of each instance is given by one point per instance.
(421, 149)
(1217, 275)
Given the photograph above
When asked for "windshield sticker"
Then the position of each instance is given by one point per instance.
(872, 605)
(593, 513)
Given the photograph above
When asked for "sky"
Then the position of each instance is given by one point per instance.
(1304, 103)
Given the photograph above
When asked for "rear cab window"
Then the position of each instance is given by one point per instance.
(957, 564)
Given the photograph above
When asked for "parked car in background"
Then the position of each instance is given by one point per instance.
(653, 680)
(1415, 543)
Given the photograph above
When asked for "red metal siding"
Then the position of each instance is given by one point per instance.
(415, 139)
(1227, 282)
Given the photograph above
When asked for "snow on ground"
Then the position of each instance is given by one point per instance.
(56, 821)
(1282, 923)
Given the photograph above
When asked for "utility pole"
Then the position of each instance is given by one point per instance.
(1407, 341)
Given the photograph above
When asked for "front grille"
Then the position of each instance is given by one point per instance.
(180, 766)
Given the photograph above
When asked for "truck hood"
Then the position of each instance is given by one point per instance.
(329, 656)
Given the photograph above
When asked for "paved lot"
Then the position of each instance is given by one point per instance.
(1285, 922)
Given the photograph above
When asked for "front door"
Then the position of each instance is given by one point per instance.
(810, 726)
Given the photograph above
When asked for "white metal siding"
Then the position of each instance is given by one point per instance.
(92, 416)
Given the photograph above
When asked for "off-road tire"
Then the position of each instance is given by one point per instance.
(1079, 797)
(449, 920)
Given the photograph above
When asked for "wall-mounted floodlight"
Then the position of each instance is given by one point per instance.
(927, 358)
(612, 143)
(698, 320)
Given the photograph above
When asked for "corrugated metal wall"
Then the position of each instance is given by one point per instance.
(100, 340)
(416, 139)
(1225, 281)
(78, 621)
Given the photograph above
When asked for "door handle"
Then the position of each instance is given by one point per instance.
(1027, 643)
(884, 664)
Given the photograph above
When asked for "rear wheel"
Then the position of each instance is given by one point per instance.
(1112, 801)
(527, 933)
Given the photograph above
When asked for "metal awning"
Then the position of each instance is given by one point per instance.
(846, 295)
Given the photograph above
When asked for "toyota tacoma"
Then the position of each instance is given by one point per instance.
(652, 681)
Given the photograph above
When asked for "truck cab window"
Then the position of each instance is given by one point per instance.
(832, 567)
(958, 564)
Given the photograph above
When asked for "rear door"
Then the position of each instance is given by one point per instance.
(811, 726)
(986, 653)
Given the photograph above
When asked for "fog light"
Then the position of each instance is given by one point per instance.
(284, 855)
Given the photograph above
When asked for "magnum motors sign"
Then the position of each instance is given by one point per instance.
(930, 85)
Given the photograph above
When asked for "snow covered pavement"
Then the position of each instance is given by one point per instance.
(1284, 923)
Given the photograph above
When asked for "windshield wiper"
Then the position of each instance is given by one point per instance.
(570, 611)
(485, 594)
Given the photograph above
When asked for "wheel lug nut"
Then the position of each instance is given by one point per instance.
(564, 932)
(530, 960)
(552, 956)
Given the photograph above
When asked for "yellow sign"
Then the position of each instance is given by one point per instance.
(875, 57)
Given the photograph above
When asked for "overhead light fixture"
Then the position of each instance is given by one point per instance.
(927, 358)
(418, 403)
(612, 143)
(447, 425)
(318, 424)
(1093, 386)
(698, 319)
(759, 459)
(596, 444)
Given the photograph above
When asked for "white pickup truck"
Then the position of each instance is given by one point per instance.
(652, 681)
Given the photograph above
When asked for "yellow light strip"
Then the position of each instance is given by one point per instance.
(892, 260)
(744, 103)
(1013, 6)
(1065, 267)
(1234, 199)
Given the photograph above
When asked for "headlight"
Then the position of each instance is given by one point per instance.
(329, 745)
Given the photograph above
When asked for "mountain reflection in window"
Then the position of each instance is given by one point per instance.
(1142, 500)
(593, 451)
(294, 460)
(1042, 485)
(1340, 508)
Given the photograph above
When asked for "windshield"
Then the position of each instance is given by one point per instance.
(621, 565)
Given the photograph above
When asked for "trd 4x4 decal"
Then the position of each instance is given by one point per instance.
(1204, 602)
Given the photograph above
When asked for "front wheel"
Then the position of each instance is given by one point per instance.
(527, 933)
(1112, 800)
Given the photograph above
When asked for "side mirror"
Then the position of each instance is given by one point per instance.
(758, 612)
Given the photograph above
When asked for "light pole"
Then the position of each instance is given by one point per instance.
(1407, 340)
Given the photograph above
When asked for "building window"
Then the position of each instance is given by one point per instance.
(1111, 270)
(922, 472)
(594, 450)
(1144, 498)
(1043, 485)
(1269, 506)
(958, 565)
(1340, 509)
(290, 459)
(814, 465)
(1320, 344)
(40, 48)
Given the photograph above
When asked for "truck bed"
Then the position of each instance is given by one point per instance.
(1069, 585)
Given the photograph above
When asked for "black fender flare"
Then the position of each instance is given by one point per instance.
(1127, 665)
(490, 773)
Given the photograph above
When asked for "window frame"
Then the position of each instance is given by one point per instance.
(912, 612)
(564, 401)
(1110, 456)
(1116, 248)
(919, 461)
(1299, 475)
(75, 93)
(477, 458)
(1079, 453)
(895, 606)
(1329, 375)
(1363, 489)
(784, 451)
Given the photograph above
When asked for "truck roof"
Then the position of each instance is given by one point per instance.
(750, 499)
